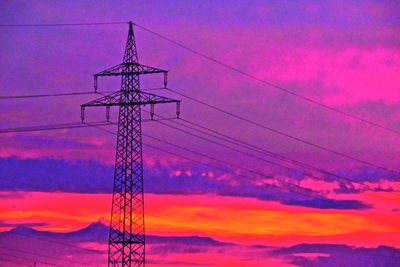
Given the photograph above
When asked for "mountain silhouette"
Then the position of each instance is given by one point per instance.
(98, 232)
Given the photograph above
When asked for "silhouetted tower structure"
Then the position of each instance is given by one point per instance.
(127, 230)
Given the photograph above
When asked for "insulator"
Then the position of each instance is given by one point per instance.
(178, 109)
(152, 111)
(95, 84)
(82, 113)
(108, 113)
(165, 79)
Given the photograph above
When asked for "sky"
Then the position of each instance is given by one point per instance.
(343, 54)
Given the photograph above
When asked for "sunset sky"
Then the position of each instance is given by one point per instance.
(342, 54)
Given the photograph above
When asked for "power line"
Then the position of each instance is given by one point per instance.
(47, 127)
(221, 63)
(66, 94)
(60, 25)
(45, 95)
(307, 192)
(37, 128)
(165, 219)
(234, 165)
(265, 152)
(35, 187)
(96, 125)
(231, 142)
(304, 191)
(64, 24)
(13, 261)
(181, 156)
(216, 61)
(27, 259)
(222, 161)
(212, 158)
(68, 125)
(243, 144)
(45, 256)
(220, 144)
(290, 92)
(283, 134)
(56, 242)
(211, 166)
(80, 125)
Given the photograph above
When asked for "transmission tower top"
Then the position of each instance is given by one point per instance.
(130, 69)
(130, 55)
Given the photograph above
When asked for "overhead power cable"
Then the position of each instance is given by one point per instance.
(220, 144)
(79, 125)
(181, 156)
(203, 155)
(284, 134)
(71, 126)
(64, 24)
(229, 139)
(97, 124)
(260, 150)
(44, 256)
(27, 259)
(37, 188)
(265, 82)
(269, 153)
(67, 94)
(219, 62)
(239, 117)
(266, 152)
(69, 245)
(299, 190)
(53, 127)
(2, 260)
(45, 95)
(68, 125)
(212, 158)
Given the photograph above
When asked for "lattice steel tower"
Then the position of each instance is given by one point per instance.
(127, 231)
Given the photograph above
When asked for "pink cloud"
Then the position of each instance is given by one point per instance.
(319, 185)
(340, 76)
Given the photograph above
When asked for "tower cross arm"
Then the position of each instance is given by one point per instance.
(149, 98)
(119, 99)
(129, 69)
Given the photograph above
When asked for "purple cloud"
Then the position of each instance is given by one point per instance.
(92, 177)
(340, 255)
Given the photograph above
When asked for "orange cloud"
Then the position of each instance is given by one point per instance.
(241, 220)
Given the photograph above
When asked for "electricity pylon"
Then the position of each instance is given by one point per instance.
(127, 231)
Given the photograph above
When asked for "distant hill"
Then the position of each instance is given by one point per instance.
(90, 244)
(98, 232)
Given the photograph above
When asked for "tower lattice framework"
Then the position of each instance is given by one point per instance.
(127, 228)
